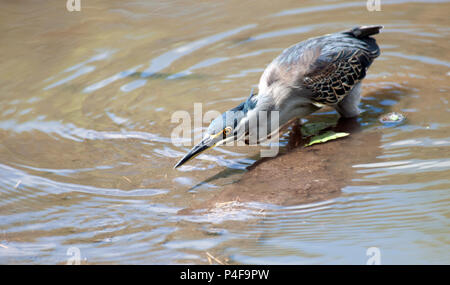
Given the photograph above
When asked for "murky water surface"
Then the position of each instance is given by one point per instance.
(85, 136)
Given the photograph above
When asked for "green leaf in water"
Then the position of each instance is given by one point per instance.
(326, 137)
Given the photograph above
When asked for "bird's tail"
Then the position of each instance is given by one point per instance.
(365, 31)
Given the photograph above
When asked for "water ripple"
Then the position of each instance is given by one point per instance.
(72, 132)
(12, 176)
(165, 60)
(324, 8)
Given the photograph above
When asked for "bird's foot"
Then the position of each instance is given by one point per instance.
(295, 135)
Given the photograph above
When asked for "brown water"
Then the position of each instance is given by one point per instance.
(85, 129)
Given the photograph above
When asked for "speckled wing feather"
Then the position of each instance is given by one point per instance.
(331, 81)
(342, 63)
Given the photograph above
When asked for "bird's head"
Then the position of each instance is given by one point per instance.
(229, 126)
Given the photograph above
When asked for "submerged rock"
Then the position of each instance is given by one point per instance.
(392, 118)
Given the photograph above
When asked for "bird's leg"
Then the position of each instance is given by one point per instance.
(295, 135)
(347, 125)
(348, 107)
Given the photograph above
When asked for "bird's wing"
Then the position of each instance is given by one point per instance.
(342, 63)
(330, 77)
(328, 66)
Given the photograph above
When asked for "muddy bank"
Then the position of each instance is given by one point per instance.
(302, 174)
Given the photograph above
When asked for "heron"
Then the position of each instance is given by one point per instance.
(318, 72)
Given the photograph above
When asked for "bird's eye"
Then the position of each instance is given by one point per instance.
(227, 131)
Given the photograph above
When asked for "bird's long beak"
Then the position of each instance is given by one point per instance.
(206, 143)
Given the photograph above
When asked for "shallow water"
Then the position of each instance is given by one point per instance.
(85, 129)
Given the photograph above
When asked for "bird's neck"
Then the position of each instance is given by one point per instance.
(286, 104)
